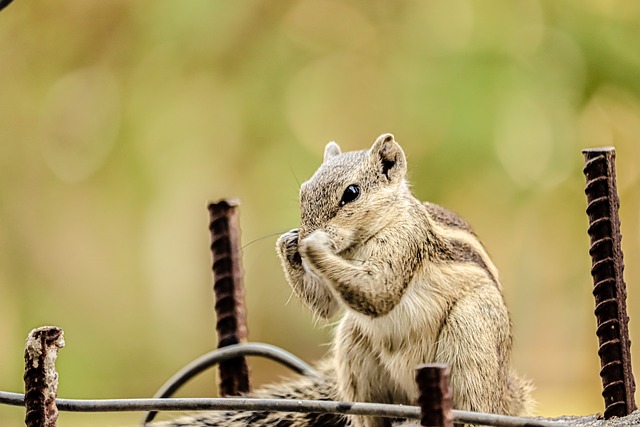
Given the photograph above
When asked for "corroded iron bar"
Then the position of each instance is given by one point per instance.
(40, 376)
(436, 408)
(609, 289)
(229, 293)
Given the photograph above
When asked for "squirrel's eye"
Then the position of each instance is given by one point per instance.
(351, 193)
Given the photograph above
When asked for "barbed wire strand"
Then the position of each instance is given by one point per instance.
(230, 352)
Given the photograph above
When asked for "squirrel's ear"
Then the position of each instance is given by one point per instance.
(331, 150)
(389, 157)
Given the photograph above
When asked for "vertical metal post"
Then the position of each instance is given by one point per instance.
(436, 408)
(229, 293)
(40, 376)
(609, 289)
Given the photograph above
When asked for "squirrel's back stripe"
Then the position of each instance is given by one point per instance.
(459, 241)
(446, 217)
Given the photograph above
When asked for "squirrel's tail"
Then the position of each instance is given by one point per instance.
(301, 387)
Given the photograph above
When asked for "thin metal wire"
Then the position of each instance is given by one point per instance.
(271, 405)
(226, 353)
(277, 405)
(13, 399)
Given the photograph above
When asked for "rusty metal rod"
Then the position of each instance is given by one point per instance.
(609, 289)
(436, 408)
(229, 293)
(40, 376)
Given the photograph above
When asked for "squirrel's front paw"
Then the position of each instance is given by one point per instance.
(316, 242)
(287, 247)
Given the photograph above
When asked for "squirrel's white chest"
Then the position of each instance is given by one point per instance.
(405, 337)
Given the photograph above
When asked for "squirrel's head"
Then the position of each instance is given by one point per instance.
(351, 196)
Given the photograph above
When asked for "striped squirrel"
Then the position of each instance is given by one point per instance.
(416, 286)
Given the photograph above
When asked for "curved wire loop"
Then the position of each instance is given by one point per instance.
(230, 352)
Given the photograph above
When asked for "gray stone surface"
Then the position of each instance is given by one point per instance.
(576, 421)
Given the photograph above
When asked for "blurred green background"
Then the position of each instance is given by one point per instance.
(119, 120)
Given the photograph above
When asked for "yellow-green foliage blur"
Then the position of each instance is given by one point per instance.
(120, 119)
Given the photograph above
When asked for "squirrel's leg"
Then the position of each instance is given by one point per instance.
(475, 342)
(310, 288)
(360, 375)
(373, 287)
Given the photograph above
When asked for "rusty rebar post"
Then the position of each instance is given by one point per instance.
(40, 376)
(229, 293)
(609, 289)
(436, 408)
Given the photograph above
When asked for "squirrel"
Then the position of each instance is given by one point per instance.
(416, 286)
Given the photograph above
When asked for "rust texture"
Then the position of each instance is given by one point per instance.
(40, 376)
(434, 397)
(228, 287)
(609, 289)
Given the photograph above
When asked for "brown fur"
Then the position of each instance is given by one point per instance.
(416, 283)
(416, 286)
